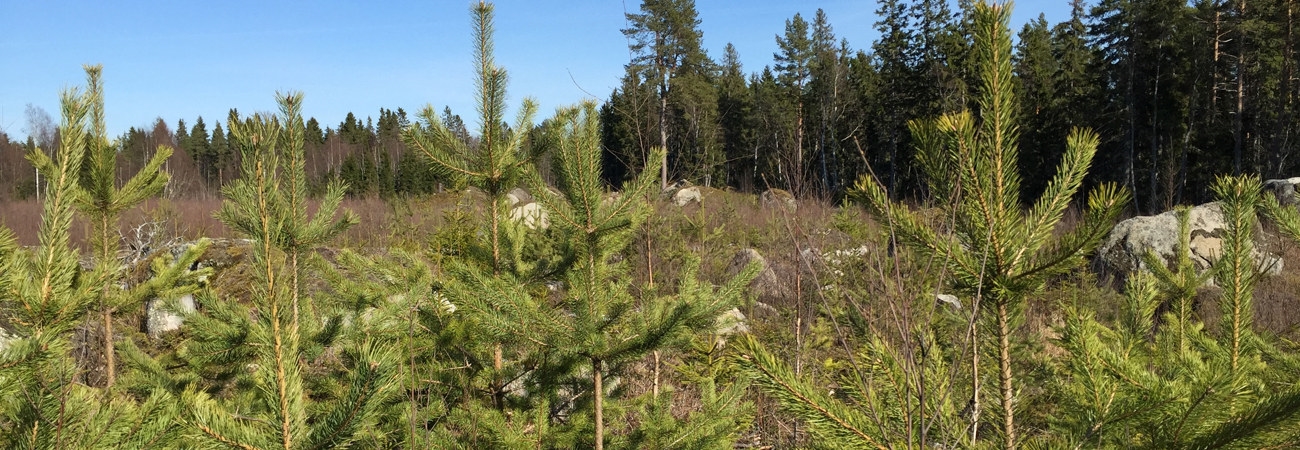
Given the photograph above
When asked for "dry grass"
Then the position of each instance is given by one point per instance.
(383, 222)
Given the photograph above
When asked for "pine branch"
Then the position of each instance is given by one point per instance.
(832, 421)
(368, 384)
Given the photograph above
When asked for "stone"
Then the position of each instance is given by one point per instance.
(162, 318)
(764, 311)
(518, 196)
(532, 215)
(950, 299)
(676, 186)
(6, 340)
(683, 193)
(686, 196)
(1121, 252)
(810, 261)
(730, 322)
(814, 262)
(778, 199)
(1284, 190)
(766, 286)
(611, 198)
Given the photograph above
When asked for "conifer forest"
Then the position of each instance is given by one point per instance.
(1072, 235)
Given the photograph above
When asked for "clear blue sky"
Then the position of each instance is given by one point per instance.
(187, 59)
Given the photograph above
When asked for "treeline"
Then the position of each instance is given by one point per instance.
(1178, 90)
(367, 155)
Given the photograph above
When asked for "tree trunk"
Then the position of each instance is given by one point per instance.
(796, 172)
(1154, 181)
(1004, 363)
(1214, 68)
(110, 365)
(663, 133)
(1237, 128)
(599, 392)
(975, 405)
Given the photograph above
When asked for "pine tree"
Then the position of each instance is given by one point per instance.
(104, 202)
(1176, 386)
(605, 326)
(665, 40)
(44, 294)
(999, 253)
(268, 204)
(793, 68)
(495, 162)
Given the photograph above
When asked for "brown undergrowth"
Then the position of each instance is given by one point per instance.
(846, 283)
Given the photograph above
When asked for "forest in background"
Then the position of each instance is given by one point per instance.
(1179, 91)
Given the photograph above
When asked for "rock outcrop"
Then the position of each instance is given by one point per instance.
(778, 199)
(162, 317)
(1121, 252)
(167, 315)
(1284, 190)
(518, 196)
(6, 339)
(683, 193)
(730, 322)
(766, 286)
(532, 215)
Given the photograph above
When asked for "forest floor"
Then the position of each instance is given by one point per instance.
(838, 272)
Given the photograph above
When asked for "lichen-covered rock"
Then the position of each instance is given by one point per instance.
(730, 322)
(6, 339)
(1284, 190)
(518, 196)
(676, 186)
(1121, 252)
(532, 215)
(814, 262)
(686, 196)
(766, 286)
(683, 193)
(778, 199)
(949, 299)
(163, 317)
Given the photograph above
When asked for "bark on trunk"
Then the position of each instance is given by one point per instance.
(1004, 363)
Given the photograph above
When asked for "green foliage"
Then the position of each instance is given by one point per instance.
(275, 402)
(1238, 273)
(498, 161)
(1137, 385)
(998, 252)
(103, 203)
(1182, 282)
(46, 293)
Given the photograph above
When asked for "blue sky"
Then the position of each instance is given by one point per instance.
(187, 59)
